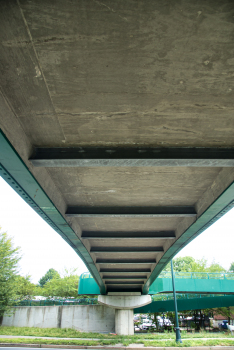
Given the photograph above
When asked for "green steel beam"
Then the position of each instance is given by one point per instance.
(216, 210)
(14, 171)
(186, 303)
(194, 282)
(218, 285)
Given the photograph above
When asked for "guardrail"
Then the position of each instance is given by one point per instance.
(198, 275)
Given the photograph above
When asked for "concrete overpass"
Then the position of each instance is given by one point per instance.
(117, 125)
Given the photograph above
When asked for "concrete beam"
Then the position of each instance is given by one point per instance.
(123, 156)
(128, 235)
(125, 249)
(125, 261)
(133, 211)
(124, 303)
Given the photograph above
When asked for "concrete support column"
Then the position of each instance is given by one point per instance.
(124, 322)
(124, 303)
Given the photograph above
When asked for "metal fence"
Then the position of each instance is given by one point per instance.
(52, 302)
(162, 297)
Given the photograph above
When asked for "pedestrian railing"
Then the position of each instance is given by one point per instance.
(162, 297)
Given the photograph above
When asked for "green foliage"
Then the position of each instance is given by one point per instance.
(9, 258)
(231, 269)
(24, 289)
(189, 264)
(159, 340)
(72, 333)
(50, 274)
(65, 287)
(182, 264)
(224, 311)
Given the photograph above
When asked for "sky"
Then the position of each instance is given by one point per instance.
(42, 248)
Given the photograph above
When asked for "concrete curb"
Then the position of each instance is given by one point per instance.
(49, 346)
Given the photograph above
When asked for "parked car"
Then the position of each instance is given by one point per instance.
(224, 324)
(147, 325)
(164, 322)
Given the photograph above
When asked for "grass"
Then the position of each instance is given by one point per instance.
(57, 341)
(95, 339)
(191, 342)
(157, 343)
(72, 333)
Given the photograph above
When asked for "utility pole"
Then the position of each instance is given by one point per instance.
(177, 328)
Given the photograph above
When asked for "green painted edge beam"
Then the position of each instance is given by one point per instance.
(216, 210)
(14, 171)
(187, 304)
(189, 286)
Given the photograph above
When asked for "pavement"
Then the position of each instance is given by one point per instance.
(46, 346)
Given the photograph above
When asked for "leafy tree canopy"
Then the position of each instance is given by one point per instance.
(189, 264)
(231, 269)
(65, 287)
(9, 258)
(50, 274)
(24, 288)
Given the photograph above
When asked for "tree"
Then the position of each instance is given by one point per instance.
(181, 264)
(50, 274)
(231, 269)
(24, 288)
(9, 258)
(65, 287)
(189, 264)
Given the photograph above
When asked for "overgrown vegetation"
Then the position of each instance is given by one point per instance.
(72, 333)
(9, 257)
(156, 340)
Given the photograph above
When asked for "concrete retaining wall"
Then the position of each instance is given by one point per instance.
(86, 318)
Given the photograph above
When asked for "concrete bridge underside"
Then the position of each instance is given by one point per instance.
(117, 125)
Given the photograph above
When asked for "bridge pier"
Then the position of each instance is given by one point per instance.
(124, 303)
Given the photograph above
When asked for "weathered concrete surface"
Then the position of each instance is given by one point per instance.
(124, 302)
(120, 73)
(124, 324)
(91, 318)
(123, 306)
